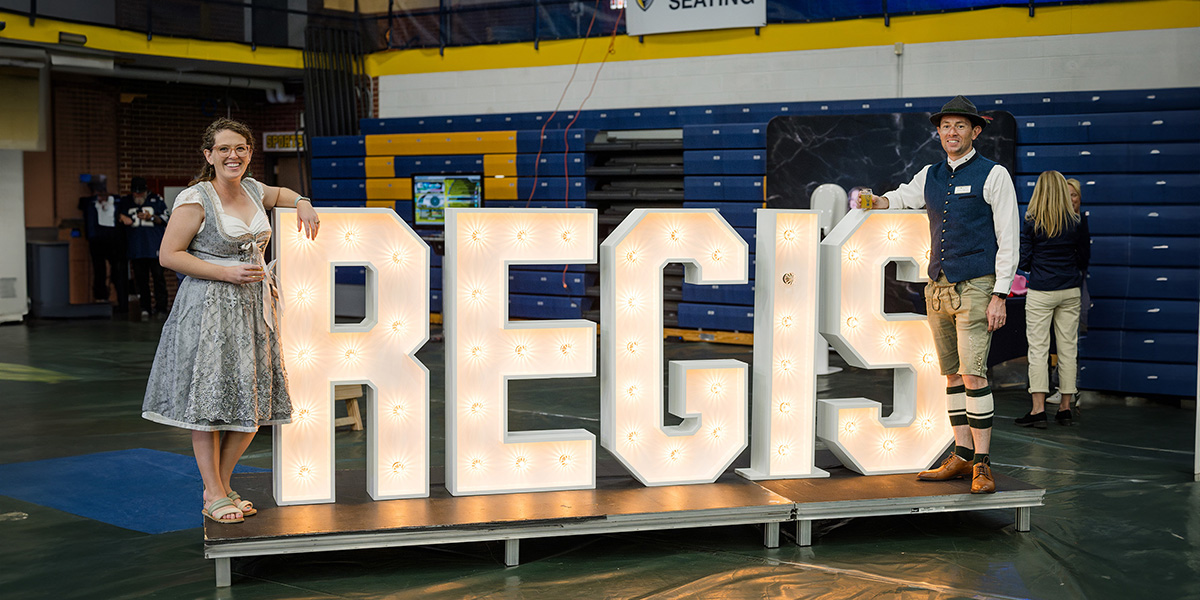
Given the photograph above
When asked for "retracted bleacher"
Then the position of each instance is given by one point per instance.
(1137, 153)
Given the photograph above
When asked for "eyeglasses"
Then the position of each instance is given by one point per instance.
(241, 150)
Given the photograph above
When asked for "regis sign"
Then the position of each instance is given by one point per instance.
(803, 285)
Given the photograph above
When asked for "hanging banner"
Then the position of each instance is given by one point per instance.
(643, 17)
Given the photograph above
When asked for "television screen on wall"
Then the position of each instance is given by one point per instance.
(432, 194)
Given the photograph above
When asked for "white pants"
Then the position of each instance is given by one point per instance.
(1063, 307)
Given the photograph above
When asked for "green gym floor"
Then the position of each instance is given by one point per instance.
(1121, 520)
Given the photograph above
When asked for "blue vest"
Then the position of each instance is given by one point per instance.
(961, 230)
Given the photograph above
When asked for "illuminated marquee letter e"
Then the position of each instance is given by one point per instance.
(484, 350)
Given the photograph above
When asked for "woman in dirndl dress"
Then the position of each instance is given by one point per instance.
(219, 369)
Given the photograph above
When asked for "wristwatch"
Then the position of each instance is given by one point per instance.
(1000, 295)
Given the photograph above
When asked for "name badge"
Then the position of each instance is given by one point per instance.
(962, 189)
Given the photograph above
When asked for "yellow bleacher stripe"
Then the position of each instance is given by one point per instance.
(380, 166)
(396, 188)
(499, 164)
(381, 204)
(432, 144)
(500, 189)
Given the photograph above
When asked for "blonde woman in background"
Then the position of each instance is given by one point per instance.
(1055, 249)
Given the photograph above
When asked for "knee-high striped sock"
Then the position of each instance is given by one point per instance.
(980, 407)
(956, 407)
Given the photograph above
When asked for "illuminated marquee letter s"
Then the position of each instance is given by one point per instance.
(853, 258)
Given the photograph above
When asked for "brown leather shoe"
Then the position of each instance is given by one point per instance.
(981, 479)
(953, 467)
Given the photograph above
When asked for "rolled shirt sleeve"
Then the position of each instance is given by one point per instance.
(911, 194)
(1001, 195)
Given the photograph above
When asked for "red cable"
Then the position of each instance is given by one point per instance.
(612, 42)
(542, 134)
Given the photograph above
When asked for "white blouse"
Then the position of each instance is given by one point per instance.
(233, 226)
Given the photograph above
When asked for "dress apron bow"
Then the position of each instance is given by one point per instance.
(269, 289)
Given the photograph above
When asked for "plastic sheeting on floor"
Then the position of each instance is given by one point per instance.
(1121, 521)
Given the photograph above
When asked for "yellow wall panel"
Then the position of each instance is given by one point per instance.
(381, 166)
(399, 188)
(499, 164)
(500, 189)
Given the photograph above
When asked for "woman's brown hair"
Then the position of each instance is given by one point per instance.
(208, 173)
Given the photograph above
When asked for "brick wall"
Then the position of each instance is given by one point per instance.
(124, 129)
(85, 140)
(162, 127)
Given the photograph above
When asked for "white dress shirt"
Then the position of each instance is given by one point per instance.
(999, 193)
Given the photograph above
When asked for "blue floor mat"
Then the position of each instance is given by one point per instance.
(139, 489)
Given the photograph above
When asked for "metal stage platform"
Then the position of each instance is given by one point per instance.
(618, 504)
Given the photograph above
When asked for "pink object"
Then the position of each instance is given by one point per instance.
(1020, 285)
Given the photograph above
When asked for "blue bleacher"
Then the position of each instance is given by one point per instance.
(339, 189)
(538, 204)
(339, 168)
(737, 214)
(725, 162)
(404, 208)
(726, 135)
(1024, 104)
(549, 283)
(547, 307)
(1143, 220)
(324, 203)
(1136, 152)
(1158, 188)
(552, 141)
(716, 316)
(1139, 377)
(1109, 158)
(1163, 252)
(1144, 282)
(407, 166)
(435, 278)
(1166, 126)
(728, 188)
(553, 188)
(350, 276)
(740, 295)
(345, 145)
(550, 164)
(1154, 346)
(1143, 315)
(573, 268)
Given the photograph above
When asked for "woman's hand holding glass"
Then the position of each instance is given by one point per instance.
(243, 273)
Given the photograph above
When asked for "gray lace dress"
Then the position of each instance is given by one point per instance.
(219, 366)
